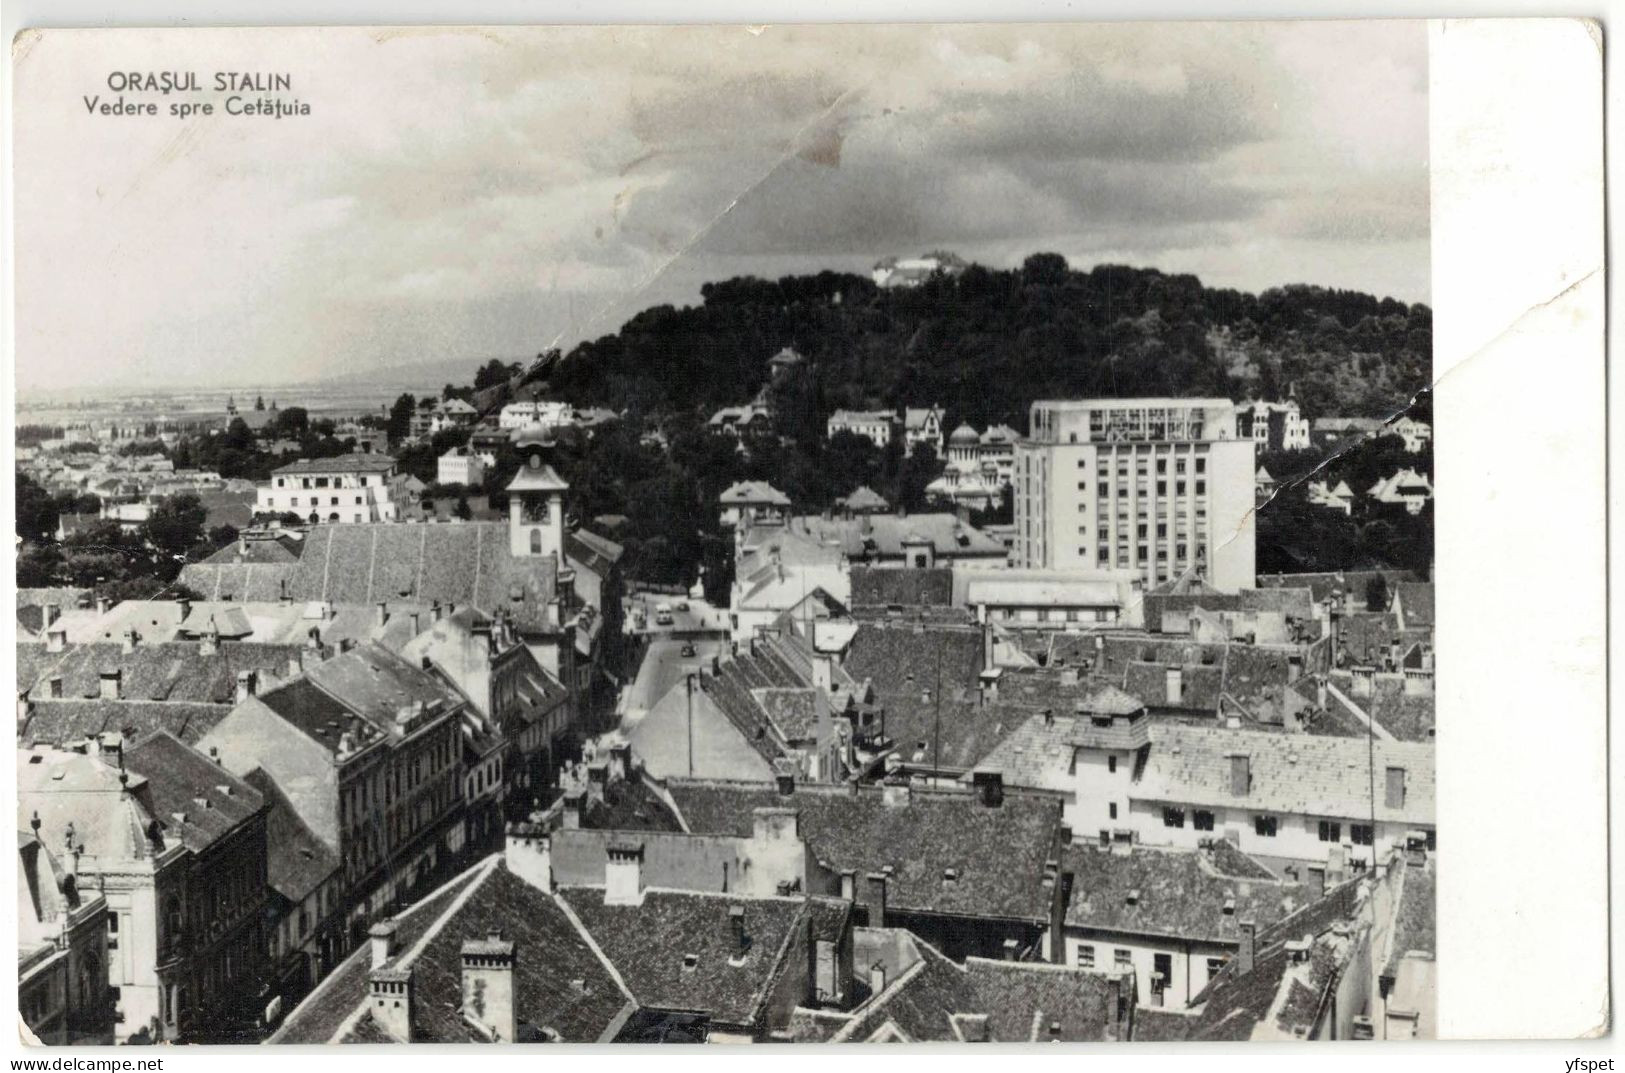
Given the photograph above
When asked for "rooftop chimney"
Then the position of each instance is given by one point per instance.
(417, 622)
(488, 987)
(875, 891)
(103, 605)
(49, 614)
(247, 685)
(575, 802)
(1175, 685)
(877, 978)
(434, 611)
(989, 786)
(786, 782)
(112, 685)
(1241, 779)
(53, 688)
(529, 855)
(184, 606)
(56, 639)
(623, 874)
(382, 938)
(1249, 937)
(1394, 795)
(1010, 949)
(127, 641)
(736, 924)
(383, 613)
(390, 1001)
(282, 593)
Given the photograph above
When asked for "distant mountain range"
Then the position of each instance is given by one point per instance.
(419, 374)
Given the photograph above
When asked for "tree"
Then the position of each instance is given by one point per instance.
(400, 418)
(292, 423)
(259, 402)
(37, 511)
(175, 524)
(1376, 593)
(222, 535)
(1045, 269)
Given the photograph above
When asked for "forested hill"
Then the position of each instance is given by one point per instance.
(985, 344)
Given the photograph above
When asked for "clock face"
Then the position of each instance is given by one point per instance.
(534, 509)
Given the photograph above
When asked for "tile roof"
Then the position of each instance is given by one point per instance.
(350, 463)
(195, 797)
(1296, 773)
(999, 852)
(1416, 598)
(1021, 1002)
(749, 492)
(469, 563)
(1293, 602)
(170, 670)
(1351, 583)
(906, 587)
(871, 536)
(62, 788)
(551, 958)
(652, 944)
(1280, 998)
(863, 498)
(1178, 894)
(1162, 1025)
(1415, 917)
(1408, 717)
(1039, 752)
(298, 861)
(596, 553)
(65, 722)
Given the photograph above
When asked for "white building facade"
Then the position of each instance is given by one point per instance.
(346, 489)
(1162, 487)
(873, 425)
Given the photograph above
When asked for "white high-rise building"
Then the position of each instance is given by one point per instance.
(1160, 486)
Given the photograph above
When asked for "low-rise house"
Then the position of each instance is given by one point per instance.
(915, 540)
(1418, 435)
(972, 871)
(1339, 497)
(577, 935)
(1173, 918)
(863, 500)
(1273, 426)
(460, 465)
(1407, 488)
(917, 995)
(452, 414)
(351, 488)
(532, 413)
(922, 425)
(1059, 600)
(876, 426)
(913, 271)
(746, 503)
(1297, 797)
(742, 422)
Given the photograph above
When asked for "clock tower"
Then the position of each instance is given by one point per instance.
(536, 503)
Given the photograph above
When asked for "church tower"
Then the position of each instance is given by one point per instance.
(536, 502)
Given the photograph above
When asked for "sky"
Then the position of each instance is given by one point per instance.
(463, 194)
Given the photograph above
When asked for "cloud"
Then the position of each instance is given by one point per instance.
(468, 193)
